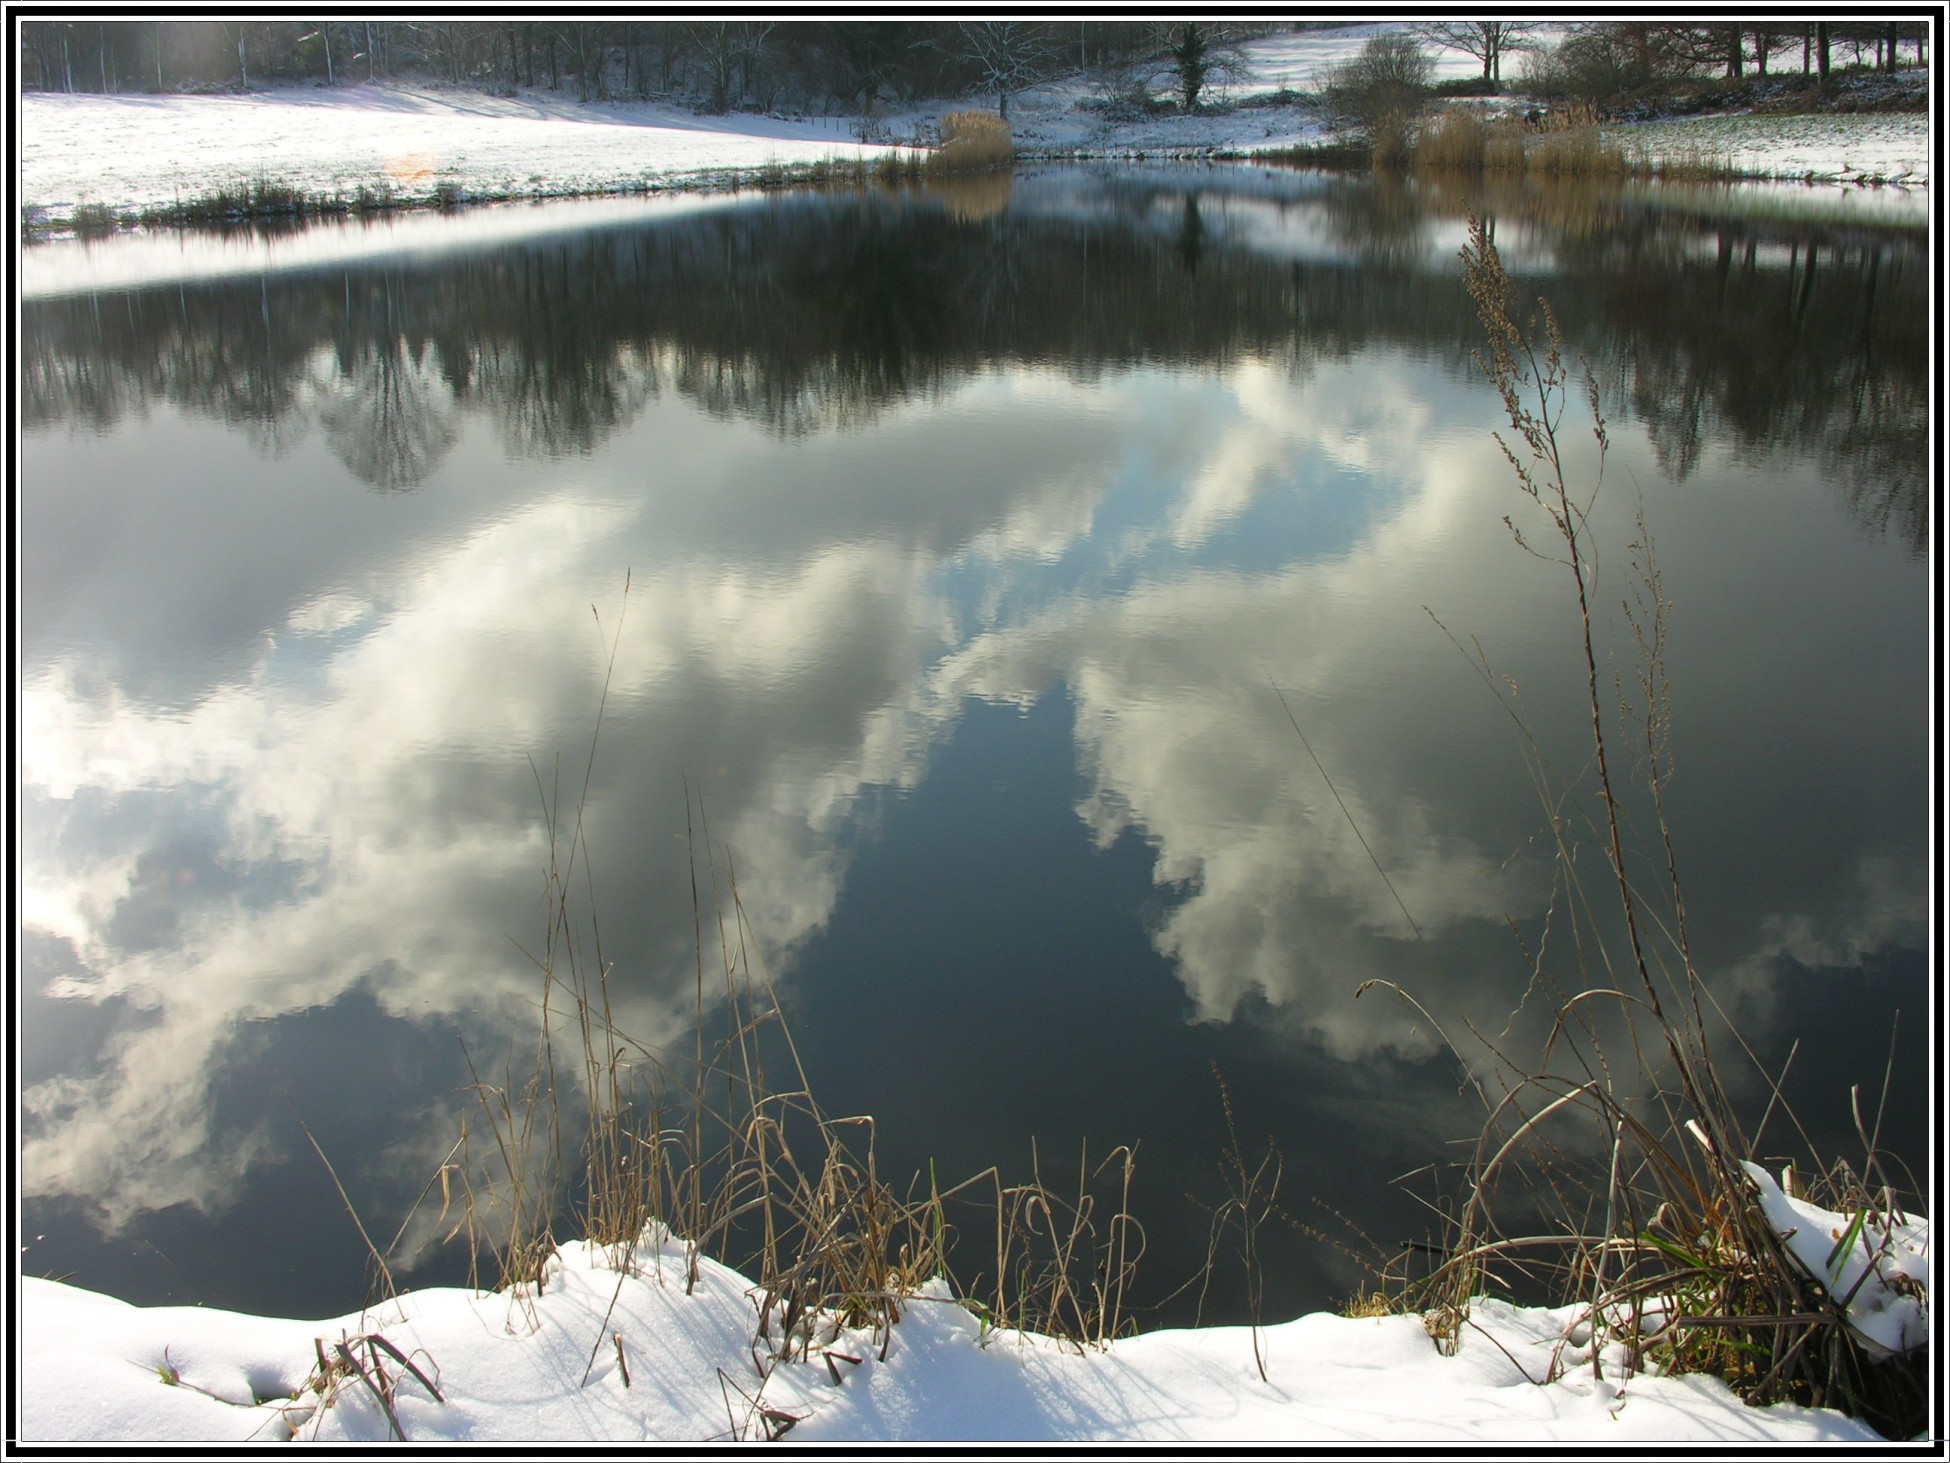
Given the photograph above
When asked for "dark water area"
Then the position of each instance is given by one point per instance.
(989, 553)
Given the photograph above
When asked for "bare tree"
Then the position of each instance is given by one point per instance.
(1487, 40)
(1008, 54)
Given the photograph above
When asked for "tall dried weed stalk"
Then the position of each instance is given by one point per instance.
(1618, 1145)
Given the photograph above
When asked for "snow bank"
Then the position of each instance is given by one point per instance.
(549, 1368)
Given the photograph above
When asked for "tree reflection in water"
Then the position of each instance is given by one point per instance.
(807, 314)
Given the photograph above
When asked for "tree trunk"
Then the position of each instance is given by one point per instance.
(1821, 50)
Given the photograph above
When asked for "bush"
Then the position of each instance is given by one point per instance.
(1390, 78)
(1600, 64)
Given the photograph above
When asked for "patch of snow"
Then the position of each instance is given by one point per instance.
(1876, 1265)
(549, 1367)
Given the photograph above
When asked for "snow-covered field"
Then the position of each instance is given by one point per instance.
(417, 140)
(140, 151)
(604, 1356)
(1868, 150)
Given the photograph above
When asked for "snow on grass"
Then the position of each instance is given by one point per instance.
(1851, 148)
(548, 1368)
(1876, 1266)
(153, 151)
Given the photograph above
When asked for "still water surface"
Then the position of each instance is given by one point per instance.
(982, 551)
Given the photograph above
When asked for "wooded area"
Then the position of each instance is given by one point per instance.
(722, 65)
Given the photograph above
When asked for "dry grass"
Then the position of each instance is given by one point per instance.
(1391, 142)
(973, 142)
(724, 1148)
(1608, 1172)
(1456, 140)
(1369, 1304)
(1570, 142)
(1567, 144)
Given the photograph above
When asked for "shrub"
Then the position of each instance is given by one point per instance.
(1602, 62)
(1389, 78)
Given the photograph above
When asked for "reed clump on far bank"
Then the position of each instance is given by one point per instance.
(1566, 143)
(973, 142)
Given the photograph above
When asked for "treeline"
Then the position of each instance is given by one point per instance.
(716, 64)
(720, 65)
(1615, 58)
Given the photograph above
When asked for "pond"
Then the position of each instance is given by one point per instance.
(1079, 607)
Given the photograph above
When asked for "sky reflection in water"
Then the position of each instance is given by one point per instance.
(969, 625)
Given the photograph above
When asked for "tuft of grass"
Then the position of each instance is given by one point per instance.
(1568, 143)
(1368, 1304)
(94, 220)
(355, 1365)
(1337, 156)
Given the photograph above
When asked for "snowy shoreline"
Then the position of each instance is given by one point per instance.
(418, 144)
(605, 1355)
